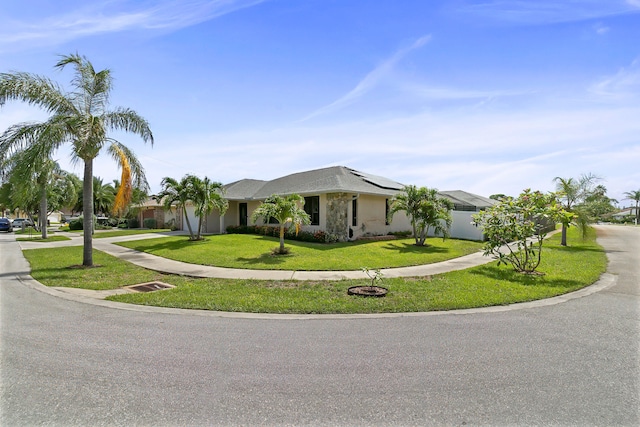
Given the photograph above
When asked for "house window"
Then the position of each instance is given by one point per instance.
(312, 207)
(354, 212)
(386, 212)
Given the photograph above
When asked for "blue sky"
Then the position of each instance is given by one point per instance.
(488, 96)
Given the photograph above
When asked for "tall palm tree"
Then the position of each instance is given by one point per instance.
(206, 196)
(81, 118)
(39, 177)
(572, 192)
(425, 209)
(178, 193)
(634, 195)
(284, 209)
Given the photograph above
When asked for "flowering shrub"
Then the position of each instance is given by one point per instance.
(290, 233)
(515, 228)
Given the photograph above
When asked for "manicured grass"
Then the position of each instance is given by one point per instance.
(254, 252)
(38, 238)
(27, 230)
(126, 232)
(567, 269)
(61, 267)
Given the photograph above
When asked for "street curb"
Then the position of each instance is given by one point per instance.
(605, 281)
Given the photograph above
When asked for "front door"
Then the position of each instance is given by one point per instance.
(242, 208)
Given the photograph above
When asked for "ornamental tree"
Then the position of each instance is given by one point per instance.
(284, 209)
(204, 194)
(425, 209)
(572, 193)
(514, 228)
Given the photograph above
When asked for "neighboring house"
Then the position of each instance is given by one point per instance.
(164, 218)
(625, 213)
(340, 201)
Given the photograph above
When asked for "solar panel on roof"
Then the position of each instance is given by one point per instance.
(378, 181)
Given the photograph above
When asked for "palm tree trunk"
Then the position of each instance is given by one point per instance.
(87, 211)
(563, 241)
(198, 233)
(281, 239)
(42, 218)
(186, 219)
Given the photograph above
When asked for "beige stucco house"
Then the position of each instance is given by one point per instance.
(341, 201)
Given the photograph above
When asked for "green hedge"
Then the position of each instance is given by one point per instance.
(150, 223)
(290, 233)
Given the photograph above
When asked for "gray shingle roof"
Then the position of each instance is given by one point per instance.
(243, 189)
(467, 199)
(334, 179)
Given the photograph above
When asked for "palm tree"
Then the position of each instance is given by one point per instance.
(103, 196)
(179, 193)
(81, 118)
(37, 177)
(571, 193)
(284, 209)
(206, 197)
(425, 209)
(634, 195)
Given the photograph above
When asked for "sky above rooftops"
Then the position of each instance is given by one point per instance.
(490, 96)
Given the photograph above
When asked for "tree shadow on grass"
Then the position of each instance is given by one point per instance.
(574, 249)
(507, 274)
(173, 245)
(264, 259)
(404, 247)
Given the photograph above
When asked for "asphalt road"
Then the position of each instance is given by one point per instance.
(68, 363)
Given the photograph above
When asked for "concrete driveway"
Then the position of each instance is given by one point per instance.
(73, 363)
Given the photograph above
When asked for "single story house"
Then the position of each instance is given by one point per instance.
(340, 201)
(152, 209)
(630, 212)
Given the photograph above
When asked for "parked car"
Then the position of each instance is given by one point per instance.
(18, 222)
(5, 225)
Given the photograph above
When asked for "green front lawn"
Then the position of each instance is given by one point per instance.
(38, 238)
(567, 269)
(254, 252)
(126, 232)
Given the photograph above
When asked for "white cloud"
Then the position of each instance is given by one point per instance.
(104, 18)
(601, 29)
(548, 11)
(485, 152)
(622, 85)
(370, 81)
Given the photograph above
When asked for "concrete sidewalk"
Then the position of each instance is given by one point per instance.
(165, 265)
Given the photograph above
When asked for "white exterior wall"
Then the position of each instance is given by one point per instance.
(251, 207)
(371, 217)
(212, 223)
(231, 217)
(193, 220)
(462, 228)
(371, 213)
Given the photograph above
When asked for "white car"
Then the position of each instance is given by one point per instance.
(18, 222)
